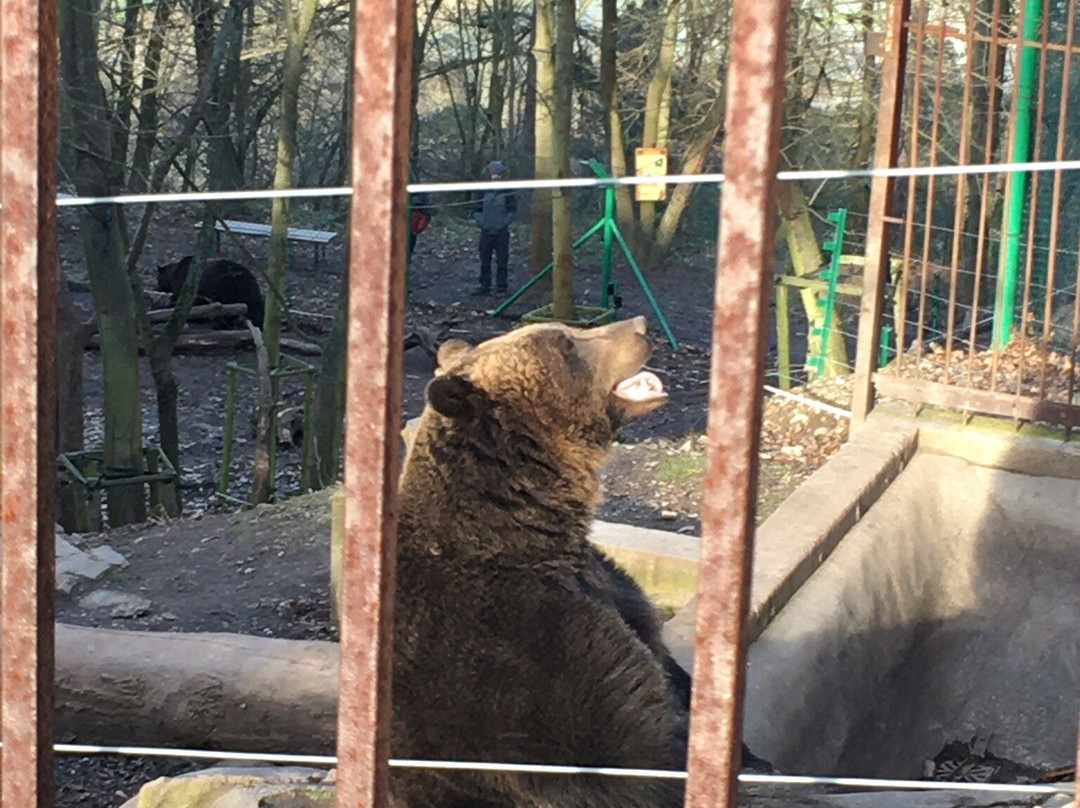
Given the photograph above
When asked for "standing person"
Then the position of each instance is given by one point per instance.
(494, 212)
(419, 217)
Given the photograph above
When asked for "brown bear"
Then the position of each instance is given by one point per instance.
(222, 281)
(604, 580)
(509, 643)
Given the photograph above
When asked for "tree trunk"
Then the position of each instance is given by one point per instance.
(103, 246)
(145, 138)
(328, 419)
(528, 118)
(262, 486)
(126, 95)
(543, 132)
(655, 98)
(202, 691)
(225, 172)
(562, 213)
(613, 130)
(72, 335)
(297, 24)
(497, 80)
(159, 349)
(420, 38)
(864, 140)
(693, 162)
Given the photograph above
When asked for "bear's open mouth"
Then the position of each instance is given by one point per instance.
(640, 387)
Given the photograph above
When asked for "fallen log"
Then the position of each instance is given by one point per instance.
(211, 342)
(206, 311)
(204, 691)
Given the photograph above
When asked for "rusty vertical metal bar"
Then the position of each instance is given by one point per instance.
(755, 95)
(1033, 214)
(881, 192)
(917, 30)
(984, 199)
(382, 64)
(961, 188)
(28, 283)
(1010, 178)
(1055, 202)
(1076, 764)
(928, 220)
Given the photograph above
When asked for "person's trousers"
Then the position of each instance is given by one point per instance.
(499, 243)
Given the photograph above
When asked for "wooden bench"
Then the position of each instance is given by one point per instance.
(319, 238)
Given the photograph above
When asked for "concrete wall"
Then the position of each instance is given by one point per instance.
(951, 606)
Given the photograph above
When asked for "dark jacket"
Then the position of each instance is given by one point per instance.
(495, 210)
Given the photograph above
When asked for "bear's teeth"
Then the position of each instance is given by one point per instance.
(643, 386)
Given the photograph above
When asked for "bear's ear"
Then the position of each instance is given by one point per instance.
(450, 350)
(454, 396)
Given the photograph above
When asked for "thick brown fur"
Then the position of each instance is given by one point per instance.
(604, 580)
(503, 649)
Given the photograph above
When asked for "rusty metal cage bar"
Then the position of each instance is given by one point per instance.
(935, 128)
(1055, 204)
(380, 118)
(1029, 253)
(987, 154)
(755, 94)
(961, 189)
(28, 288)
(1010, 180)
(912, 189)
(886, 151)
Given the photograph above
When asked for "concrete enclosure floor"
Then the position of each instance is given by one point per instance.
(952, 606)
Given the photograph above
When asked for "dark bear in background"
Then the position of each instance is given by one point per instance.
(223, 281)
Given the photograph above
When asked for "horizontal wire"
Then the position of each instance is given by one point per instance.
(810, 402)
(192, 754)
(67, 200)
(70, 201)
(530, 768)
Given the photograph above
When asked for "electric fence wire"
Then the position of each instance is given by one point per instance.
(530, 768)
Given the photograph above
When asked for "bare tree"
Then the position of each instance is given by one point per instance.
(658, 103)
(562, 211)
(544, 131)
(91, 137)
(297, 24)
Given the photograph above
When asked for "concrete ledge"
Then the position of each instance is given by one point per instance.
(801, 533)
(664, 564)
(806, 527)
(1023, 454)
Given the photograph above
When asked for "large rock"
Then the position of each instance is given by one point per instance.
(227, 786)
(73, 563)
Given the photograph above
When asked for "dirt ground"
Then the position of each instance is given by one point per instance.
(265, 570)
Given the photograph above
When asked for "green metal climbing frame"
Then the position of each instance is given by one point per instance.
(609, 227)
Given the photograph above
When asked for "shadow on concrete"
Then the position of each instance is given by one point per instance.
(952, 606)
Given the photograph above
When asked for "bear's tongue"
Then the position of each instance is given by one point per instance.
(643, 386)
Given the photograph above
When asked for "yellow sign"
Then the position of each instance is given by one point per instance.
(650, 163)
